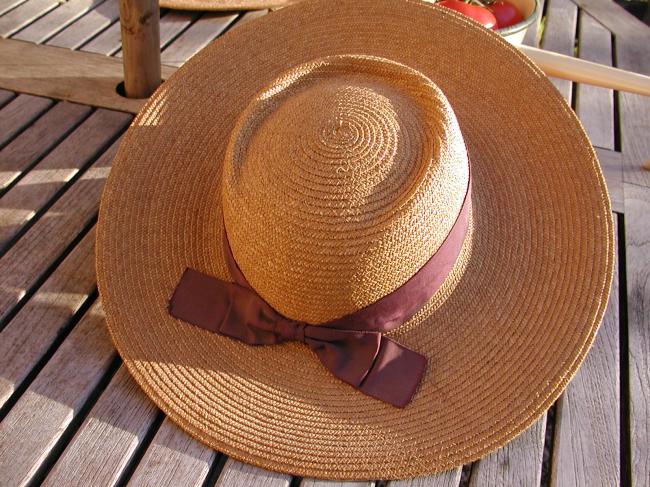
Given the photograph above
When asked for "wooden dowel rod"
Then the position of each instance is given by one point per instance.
(582, 71)
(140, 25)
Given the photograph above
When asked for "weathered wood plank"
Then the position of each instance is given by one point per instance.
(614, 17)
(81, 77)
(6, 5)
(637, 252)
(333, 483)
(586, 450)
(24, 341)
(30, 257)
(24, 14)
(24, 200)
(5, 97)
(84, 29)
(108, 437)
(559, 36)
(35, 423)
(173, 458)
(450, 478)
(533, 33)
(38, 139)
(611, 164)
(632, 53)
(237, 473)
(171, 25)
(196, 37)
(52, 22)
(594, 105)
(107, 43)
(519, 463)
(19, 113)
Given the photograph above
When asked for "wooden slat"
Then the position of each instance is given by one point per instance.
(30, 257)
(81, 31)
(173, 458)
(6, 96)
(108, 437)
(611, 164)
(19, 113)
(450, 478)
(6, 5)
(614, 17)
(632, 53)
(28, 336)
(35, 423)
(24, 14)
(586, 450)
(519, 463)
(107, 43)
(237, 473)
(54, 21)
(86, 78)
(637, 251)
(196, 37)
(594, 105)
(331, 483)
(23, 201)
(38, 139)
(559, 35)
(532, 34)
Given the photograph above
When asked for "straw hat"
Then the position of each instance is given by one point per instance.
(224, 4)
(324, 152)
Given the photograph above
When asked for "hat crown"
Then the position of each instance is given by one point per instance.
(342, 178)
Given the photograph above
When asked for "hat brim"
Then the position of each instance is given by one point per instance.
(501, 345)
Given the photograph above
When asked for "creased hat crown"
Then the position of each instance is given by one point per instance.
(342, 178)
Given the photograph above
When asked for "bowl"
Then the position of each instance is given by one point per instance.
(515, 33)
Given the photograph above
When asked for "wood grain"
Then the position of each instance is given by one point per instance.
(595, 106)
(24, 200)
(517, 464)
(108, 42)
(237, 473)
(85, 78)
(533, 33)
(450, 478)
(637, 250)
(173, 458)
(6, 97)
(586, 449)
(30, 257)
(38, 139)
(559, 35)
(108, 437)
(611, 164)
(51, 23)
(91, 24)
(196, 37)
(19, 113)
(35, 423)
(27, 337)
(6, 5)
(24, 14)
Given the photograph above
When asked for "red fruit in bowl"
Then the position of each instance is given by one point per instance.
(476, 12)
(505, 13)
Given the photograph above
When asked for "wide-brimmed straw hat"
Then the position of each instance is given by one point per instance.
(225, 4)
(355, 240)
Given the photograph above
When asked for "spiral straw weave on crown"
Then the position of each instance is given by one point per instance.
(342, 178)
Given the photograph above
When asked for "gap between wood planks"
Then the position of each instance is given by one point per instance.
(82, 77)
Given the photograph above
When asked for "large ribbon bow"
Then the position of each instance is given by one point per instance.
(353, 347)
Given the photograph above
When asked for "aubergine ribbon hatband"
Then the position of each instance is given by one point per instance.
(352, 347)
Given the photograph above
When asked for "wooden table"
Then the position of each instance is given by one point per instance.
(70, 413)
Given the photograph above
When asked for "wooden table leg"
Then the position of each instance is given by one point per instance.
(140, 22)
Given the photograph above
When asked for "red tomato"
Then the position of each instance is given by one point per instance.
(480, 14)
(505, 13)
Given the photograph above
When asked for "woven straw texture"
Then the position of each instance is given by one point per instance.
(503, 336)
(224, 4)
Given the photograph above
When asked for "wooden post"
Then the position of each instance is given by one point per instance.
(140, 22)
